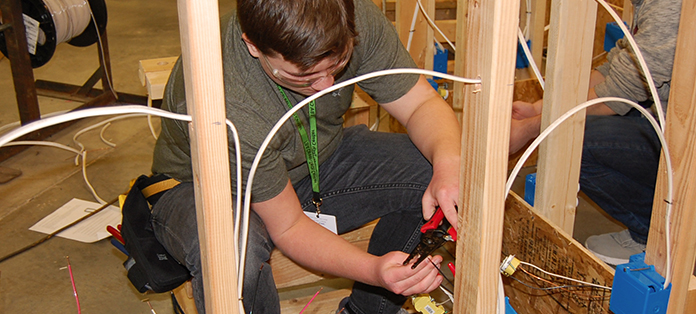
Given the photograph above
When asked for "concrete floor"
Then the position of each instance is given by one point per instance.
(37, 281)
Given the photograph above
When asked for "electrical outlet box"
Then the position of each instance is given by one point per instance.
(522, 61)
(612, 33)
(530, 188)
(638, 288)
(440, 60)
(508, 307)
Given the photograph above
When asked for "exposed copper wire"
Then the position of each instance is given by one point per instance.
(312, 299)
(563, 287)
(72, 281)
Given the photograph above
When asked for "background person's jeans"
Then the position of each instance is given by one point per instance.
(620, 158)
(371, 175)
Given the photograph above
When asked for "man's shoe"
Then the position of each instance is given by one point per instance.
(614, 248)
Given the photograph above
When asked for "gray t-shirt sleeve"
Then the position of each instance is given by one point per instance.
(657, 23)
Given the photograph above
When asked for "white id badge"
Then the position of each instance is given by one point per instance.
(326, 221)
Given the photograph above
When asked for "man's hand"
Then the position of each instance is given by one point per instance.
(401, 279)
(525, 124)
(523, 110)
(522, 131)
(443, 191)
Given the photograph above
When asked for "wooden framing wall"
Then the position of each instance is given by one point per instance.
(488, 36)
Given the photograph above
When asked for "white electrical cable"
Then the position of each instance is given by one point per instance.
(149, 119)
(564, 277)
(651, 84)
(78, 153)
(107, 70)
(660, 129)
(19, 123)
(528, 53)
(102, 111)
(661, 117)
(412, 29)
(101, 136)
(450, 297)
(434, 26)
(102, 123)
(70, 17)
(430, 22)
(288, 114)
(660, 134)
(500, 305)
(528, 19)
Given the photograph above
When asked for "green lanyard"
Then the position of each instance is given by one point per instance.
(311, 148)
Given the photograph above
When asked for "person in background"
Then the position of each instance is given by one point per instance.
(621, 150)
(275, 54)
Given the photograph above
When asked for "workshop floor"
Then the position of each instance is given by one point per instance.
(38, 281)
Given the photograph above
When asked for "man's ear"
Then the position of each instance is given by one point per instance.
(251, 47)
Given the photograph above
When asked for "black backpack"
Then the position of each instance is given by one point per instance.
(149, 265)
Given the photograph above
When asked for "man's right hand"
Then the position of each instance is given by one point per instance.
(401, 279)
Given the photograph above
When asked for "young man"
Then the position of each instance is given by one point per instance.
(276, 53)
(621, 150)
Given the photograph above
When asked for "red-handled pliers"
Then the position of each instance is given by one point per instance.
(436, 232)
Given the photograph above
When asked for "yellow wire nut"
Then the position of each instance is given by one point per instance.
(423, 303)
(509, 265)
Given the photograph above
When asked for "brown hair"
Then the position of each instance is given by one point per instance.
(304, 32)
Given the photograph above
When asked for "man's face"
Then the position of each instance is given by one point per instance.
(308, 82)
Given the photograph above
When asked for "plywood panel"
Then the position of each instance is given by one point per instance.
(534, 239)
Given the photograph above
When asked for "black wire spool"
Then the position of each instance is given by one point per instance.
(38, 10)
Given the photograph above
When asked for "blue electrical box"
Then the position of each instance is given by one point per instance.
(508, 307)
(440, 60)
(522, 61)
(612, 33)
(530, 188)
(638, 289)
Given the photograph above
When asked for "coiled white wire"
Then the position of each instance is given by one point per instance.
(70, 17)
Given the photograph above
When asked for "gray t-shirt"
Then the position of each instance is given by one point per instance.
(254, 105)
(656, 23)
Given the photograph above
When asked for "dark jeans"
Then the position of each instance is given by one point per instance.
(371, 175)
(620, 158)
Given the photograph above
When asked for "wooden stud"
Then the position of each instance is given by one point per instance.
(489, 47)
(680, 128)
(201, 53)
(536, 31)
(568, 71)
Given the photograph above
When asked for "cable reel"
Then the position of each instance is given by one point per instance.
(58, 22)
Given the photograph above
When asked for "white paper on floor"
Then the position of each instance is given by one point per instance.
(89, 230)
